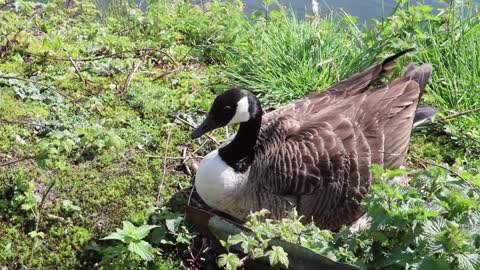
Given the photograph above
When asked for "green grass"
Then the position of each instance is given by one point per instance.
(290, 57)
(77, 159)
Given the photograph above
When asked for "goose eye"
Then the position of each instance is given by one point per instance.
(227, 108)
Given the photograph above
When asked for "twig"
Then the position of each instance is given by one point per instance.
(196, 150)
(11, 162)
(45, 195)
(130, 77)
(190, 195)
(67, 5)
(6, 4)
(450, 171)
(77, 70)
(184, 154)
(334, 66)
(51, 216)
(168, 72)
(192, 126)
(167, 142)
(453, 115)
(154, 156)
(107, 55)
(19, 123)
(36, 82)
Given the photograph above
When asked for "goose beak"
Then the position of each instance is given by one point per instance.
(207, 125)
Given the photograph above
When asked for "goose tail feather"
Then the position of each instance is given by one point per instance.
(424, 114)
(421, 75)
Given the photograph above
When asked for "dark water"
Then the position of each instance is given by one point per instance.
(365, 10)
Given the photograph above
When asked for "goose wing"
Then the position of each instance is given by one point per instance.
(328, 142)
(358, 83)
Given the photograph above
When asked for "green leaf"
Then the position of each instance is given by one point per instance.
(115, 236)
(275, 14)
(277, 255)
(235, 239)
(434, 263)
(267, 3)
(172, 225)
(249, 244)
(35, 234)
(128, 226)
(69, 206)
(158, 235)
(142, 231)
(256, 14)
(142, 249)
(230, 261)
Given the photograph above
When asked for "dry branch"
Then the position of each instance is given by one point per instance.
(168, 72)
(23, 123)
(450, 171)
(192, 126)
(453, 115)
(11, 162)
(130, 77)
(77, 70)
(38, 83)
(165, 157)
(112, 55)
(7, 3)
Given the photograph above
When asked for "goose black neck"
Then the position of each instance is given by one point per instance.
(239, 153)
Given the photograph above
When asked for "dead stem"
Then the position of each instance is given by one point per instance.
(167, 142)
(129, 78)
(77, 70)
(11, 162)
(35, 82)
(113, 55)
(168, 72)
(450, 171)
(196, 150)
(457, 114)
(193, 127)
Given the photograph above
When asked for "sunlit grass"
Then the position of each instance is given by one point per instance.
(292, 57)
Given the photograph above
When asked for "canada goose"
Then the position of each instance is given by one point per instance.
(315, 153)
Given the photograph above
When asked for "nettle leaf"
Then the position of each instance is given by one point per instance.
(230, 261)
(112, 252)
(468, 261)
(142, 249)
(277, 255)
(128, 229)
(249, 244)
(115, 236)
(235, 239)
(158, 235)
(433, 263)
(172, 224)
(142, 231)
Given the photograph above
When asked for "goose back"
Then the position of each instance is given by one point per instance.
(315, 154)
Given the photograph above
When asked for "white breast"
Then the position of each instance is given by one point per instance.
(217, 183)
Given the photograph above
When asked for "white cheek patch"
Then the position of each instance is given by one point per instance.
(241, 114)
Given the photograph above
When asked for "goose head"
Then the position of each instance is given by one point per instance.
(230, 107)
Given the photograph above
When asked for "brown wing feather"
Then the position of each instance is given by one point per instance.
(322, 154)
(354, 85)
